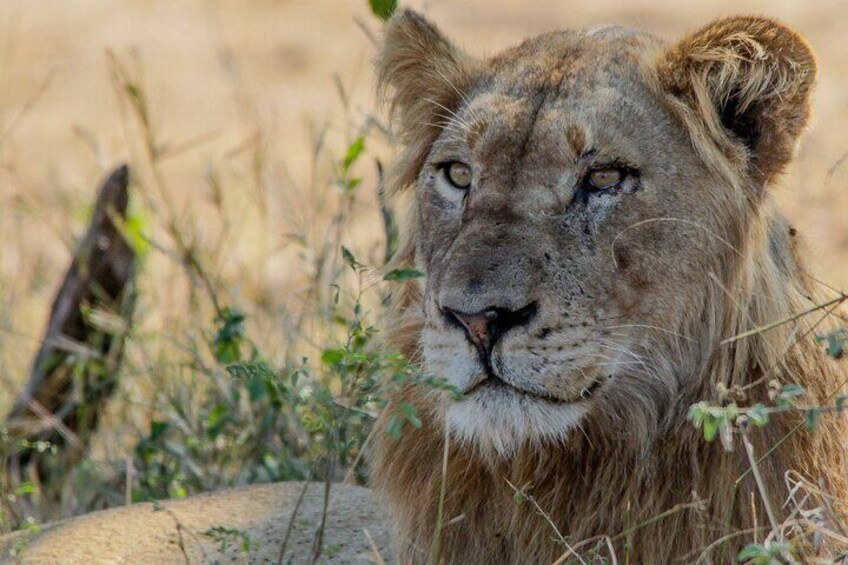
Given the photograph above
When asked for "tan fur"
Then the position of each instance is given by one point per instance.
(694, 255)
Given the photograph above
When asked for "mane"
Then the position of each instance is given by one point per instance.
(640, 475)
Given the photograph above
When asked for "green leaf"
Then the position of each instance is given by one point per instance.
(792, 390)
(411, 414)
(752, 551)
(439, 383)
(836, 343)
(349, 259)
(758, 415)
(403, 274)
(811, 418)
(134, 92)
(134, 227)
(353, 183)
(216, 421)
(257, 387)
(25, 488)
(333, 357)
(230, 334)
(394, 427)
(157, 430)
(354, 151)
(383, 9)
(788, 392)
(775, 552)
(697, 413)
(711, 427)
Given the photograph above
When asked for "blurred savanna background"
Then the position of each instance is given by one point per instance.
(255, 147)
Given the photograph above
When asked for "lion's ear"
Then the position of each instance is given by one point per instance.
(421, 75)
(744, 83)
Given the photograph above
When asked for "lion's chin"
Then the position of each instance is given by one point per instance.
(500, 420)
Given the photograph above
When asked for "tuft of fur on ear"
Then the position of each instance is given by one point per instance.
(742, 83)
(423, 77)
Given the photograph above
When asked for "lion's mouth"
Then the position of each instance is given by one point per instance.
(493, 382)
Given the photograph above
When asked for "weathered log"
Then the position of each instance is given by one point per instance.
(76, 368)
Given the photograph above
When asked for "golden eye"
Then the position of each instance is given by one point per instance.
(458, 174)
(604, 179)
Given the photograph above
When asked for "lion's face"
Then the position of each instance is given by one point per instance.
(566, 223)
(537, 296)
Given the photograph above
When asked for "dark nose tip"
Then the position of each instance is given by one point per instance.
(485, 327)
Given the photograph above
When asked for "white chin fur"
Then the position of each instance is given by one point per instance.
(502, 420)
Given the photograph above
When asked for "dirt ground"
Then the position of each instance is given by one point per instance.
(219, 71)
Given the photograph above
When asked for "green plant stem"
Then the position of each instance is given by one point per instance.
(436, 548)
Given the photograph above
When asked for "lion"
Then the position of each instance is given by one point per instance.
(594, 214)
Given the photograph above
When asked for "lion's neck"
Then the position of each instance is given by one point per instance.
(673, 499)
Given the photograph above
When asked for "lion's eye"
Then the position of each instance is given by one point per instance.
(458, 174)
(606, 178)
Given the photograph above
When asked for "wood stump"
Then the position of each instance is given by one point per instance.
(76, 369)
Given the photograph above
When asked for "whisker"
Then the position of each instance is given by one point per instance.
(613, 363)
(649, 327)
(451, 113)
(622, 349)
(475, 117)
(453, 129)
(665, 219)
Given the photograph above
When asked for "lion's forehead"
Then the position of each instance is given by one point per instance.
(563, 60)
(544, 137)
(584, 87)
(589, 113)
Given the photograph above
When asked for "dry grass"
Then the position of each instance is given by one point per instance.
(247, 110)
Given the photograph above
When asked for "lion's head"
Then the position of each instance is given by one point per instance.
(576, 197)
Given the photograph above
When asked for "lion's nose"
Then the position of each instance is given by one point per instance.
(485, 327)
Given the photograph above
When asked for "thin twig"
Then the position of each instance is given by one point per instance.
(290, 527)
(57, 424)
(318, 545)
(157, 507)
(27, 107)
(129, 484)
(352, 469)
(378, 559)
(705, 552)
(560, 538)
(839, 299)
(670, 512)
(752, 460)
(791, 432)
(367, 32)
